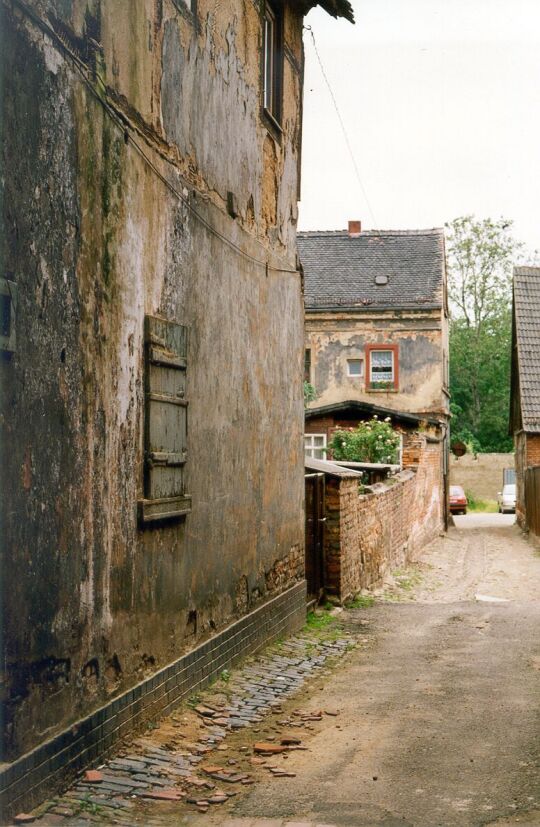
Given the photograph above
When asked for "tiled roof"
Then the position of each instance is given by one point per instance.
(527, 316)
(390, 268)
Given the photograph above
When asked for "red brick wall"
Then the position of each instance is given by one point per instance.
(533, 449)
(368, 535)
(527, 456)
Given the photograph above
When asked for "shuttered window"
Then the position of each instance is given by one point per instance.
(165, 429)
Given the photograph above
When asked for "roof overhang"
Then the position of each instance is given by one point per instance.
(366, 308)
(335, 8)
(354, 406)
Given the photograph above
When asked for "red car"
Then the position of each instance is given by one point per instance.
(458, 500)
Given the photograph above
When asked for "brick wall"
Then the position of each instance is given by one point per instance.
(527, 455)
(533, 449)
(368, 535)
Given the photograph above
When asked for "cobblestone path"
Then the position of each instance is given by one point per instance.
(185, 765)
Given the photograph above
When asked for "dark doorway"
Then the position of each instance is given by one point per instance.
(315, 520)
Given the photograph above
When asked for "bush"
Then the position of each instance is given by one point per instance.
(372, 441)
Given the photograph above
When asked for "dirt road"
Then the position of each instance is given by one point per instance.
(430, 720)
(439, 722)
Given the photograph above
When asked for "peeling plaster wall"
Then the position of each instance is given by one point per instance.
(95, 240)
(422, 340)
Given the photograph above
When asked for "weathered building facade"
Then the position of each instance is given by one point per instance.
(376, 334)
(525, 395)
(151, 349)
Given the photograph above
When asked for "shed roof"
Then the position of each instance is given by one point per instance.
(328, 467)
(527, 332)
(386, 269)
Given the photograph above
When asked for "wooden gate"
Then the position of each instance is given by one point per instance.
(315, 520)
(532, 499)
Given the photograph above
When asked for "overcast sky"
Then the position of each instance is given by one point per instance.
(441, 101)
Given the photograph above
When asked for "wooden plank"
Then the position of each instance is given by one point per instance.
(167, 399)
(159, 356)
(165, 508)
(167, 458)
(166, 421)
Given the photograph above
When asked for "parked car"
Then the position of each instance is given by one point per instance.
(458, 500)
(507, 499)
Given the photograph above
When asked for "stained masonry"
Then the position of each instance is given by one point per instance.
(144, 180)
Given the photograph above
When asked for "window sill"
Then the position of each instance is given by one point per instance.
(382, 390)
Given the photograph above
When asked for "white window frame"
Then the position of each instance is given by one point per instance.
(374, 379)
(355, 375)
(311, 449)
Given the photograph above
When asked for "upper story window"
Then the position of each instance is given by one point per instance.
(355, 368)
(272, 62)
(382, 367)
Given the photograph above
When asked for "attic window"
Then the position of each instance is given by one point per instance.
(381, 279)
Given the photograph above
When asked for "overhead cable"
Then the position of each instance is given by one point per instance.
(125, 126)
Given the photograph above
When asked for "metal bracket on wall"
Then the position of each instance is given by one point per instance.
(8, 314)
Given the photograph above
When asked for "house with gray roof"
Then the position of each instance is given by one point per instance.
(376, 334)
(525, 394)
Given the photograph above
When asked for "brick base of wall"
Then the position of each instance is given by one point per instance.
(368, 535)
(48, 768)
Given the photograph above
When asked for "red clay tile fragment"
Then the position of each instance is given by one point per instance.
(164, 795)
(268, 748)
(205, 711)
(24, 818)
(93, 776)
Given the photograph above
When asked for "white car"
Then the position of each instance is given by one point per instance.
(507, 499)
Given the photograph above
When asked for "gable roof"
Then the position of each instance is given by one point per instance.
(356, 408)
(341, 271)
(527, 337)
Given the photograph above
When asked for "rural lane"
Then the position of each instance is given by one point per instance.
(439, 721)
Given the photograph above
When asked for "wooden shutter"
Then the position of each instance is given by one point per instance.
(165, 421)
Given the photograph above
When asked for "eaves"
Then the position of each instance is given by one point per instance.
(370, 308)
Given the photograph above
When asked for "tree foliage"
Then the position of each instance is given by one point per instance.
(373, 441)
(481, 255)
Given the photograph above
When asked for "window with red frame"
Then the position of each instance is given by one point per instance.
(382, 367)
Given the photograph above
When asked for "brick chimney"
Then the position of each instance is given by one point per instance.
(355, 228)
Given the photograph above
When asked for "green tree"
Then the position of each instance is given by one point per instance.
(481, 255)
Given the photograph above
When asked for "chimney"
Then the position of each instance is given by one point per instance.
(355, 228)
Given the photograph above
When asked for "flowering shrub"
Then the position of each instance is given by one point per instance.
(373, 441)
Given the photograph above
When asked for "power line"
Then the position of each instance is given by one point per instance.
(122, 123)
(349, 145)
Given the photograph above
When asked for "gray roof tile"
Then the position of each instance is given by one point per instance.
(527, 315)
(341, 271)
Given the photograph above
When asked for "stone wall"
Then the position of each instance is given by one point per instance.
(481, 474)
(143, 180)
(368, 535)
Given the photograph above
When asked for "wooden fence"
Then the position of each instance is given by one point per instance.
(532, 499)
